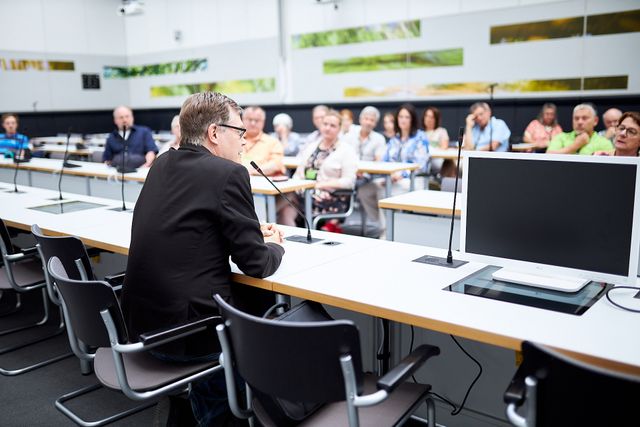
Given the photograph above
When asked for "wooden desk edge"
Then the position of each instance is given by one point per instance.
(417, 208)
(274, 192)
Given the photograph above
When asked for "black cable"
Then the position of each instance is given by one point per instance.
(444, 399)
(633, 310)
(457, 411)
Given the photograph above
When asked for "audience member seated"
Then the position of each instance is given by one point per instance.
(369, 145)
(261, 148)
(141, 148)
(175, 131)
(347, 121)
(543, 128)
(291, 141)
(410, 145)
(438, 138)
(485, 132)
(388, 125)
(626, 140)
(582, 139)
(332, 164)
(12, 142)
(610, 120)
(317, 115)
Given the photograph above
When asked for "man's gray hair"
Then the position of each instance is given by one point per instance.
(369, 109)
(480, 104)
(586, 106)
(201, 110)
(320, 108)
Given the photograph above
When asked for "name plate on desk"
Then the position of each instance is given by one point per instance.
(66, 207)
(481, 284)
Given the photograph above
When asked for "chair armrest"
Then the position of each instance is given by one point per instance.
(115, 280)
(23, 254)
(515, 392)
(406, 367)
(175, 332)
(343, 192)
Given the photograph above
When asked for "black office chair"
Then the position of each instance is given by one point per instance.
(93, 315)
(556, 390)
(21, 273)
(309, 373)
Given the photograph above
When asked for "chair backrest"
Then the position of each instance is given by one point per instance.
(68, 249)
(296, 361)
(5, 240)
(571, 392)
(83, 302)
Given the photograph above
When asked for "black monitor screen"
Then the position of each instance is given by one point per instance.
(561, 213)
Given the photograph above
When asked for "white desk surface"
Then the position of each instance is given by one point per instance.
(378, 278)
(381, 168)
(387, 284)
(450, 153)
(423, 201)
(56, 148)
(57, 139)
(99, 170)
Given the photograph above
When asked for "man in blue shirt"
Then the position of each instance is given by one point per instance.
(11, 141)
(141, 149)
(484, 132)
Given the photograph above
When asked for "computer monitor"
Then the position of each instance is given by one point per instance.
(552, 217)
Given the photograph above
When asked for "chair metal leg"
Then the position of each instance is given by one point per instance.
(41, 322)
(14, 372)
(431, 412)
(84, 423)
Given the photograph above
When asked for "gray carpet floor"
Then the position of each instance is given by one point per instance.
(28, 399)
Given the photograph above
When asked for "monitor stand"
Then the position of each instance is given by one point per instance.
(554, 283)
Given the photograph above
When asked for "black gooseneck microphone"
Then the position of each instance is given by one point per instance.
(455, 194)
(300, 239)
(449, 262)
(124, 165)
(65, 163)
(491, 87)
(17, 160)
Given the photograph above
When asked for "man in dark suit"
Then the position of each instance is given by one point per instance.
(194, 212)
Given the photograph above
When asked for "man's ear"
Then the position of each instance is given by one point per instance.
(595, 122)
(211, 133)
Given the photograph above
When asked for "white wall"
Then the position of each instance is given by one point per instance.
(240, 39)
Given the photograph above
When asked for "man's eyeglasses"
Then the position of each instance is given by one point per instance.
(630, 131)
(241, 131)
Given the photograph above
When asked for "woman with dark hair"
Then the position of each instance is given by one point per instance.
(626, 139)
(389, 125)
(437, 135)
(543, 128)
(410, 145)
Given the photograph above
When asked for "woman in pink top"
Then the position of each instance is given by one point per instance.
(542, 129)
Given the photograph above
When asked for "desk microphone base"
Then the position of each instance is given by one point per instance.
(14, 191)
(119, 209)
(439, 261)
(302, 239)
(68, 165)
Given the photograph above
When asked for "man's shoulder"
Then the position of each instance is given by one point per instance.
(268, 139)
(142, 129)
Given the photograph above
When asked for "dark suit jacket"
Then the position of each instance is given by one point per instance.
(194, 211)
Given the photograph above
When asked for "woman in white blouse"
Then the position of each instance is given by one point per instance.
(332, 164)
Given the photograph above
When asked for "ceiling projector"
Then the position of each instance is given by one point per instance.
(128, 8)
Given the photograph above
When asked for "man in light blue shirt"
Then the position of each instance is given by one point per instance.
(483, 131)
(12, 142)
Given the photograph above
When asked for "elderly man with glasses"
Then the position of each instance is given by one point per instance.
(261, 148)
(195, 211)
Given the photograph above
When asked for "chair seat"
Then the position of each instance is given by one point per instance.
(27, 272)
(144, 372)
(387, 413)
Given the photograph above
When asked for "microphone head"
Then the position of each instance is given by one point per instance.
(460, 134)
(255, 166)
(69, 132)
